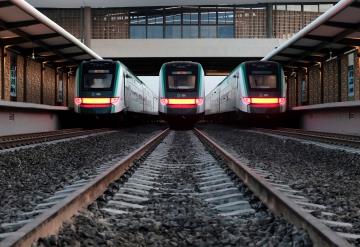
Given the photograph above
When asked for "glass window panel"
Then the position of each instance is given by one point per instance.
(155, 32)
(311, 8)
(208, 17)
(294, 7)
(182, 82)
(281, 7)
(173, 32)
(262, 81)
(226, 17)
(137, 19)
(190, 32)
(173, 19)
(137, 32)
(324, 7)
(208, 31)
(226, 31)
(155, 20)
(94, 80)
(190, 18)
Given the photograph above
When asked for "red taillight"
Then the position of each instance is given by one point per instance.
(77, 101)
(199, 101)
(181, 102)
(164, 101)
(114, 100)
(96, 102)
(260, 101)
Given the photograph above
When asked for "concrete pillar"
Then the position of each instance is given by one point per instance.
(87, 26)
(269, 21)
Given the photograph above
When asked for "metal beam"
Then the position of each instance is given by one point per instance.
(64, 56)
(18, 24)
(35, 39)
(325, 41)
(5, 4)
(309, 58)
(21, 39)
(42, 49)
(342, 25)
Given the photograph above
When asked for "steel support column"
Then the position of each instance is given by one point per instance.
(87, 26)
(269, 21)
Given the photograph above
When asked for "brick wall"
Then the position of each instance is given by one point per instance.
(71, 88)
(20, 79)
(65, 89)
(315, 85)
(344, 78)
(33, 81)
(330, 81)
(292, 91)
(250, 23)
(302, 96)
(7, 76)
(49, 85)
(357, 77)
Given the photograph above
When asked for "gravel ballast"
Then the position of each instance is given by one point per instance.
(329, 177)
(175, 215)
(27, 176)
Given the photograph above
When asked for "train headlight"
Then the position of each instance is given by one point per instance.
(282, 101)
(199, 101)
(164, 101)
(246, 100)
(77, 101)
(115, 100)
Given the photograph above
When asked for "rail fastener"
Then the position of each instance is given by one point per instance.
(278, 203)
(51, 220)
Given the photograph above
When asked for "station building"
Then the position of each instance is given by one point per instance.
(218, 34)
(321, 58)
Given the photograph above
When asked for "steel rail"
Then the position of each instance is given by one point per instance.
(32, 139)
(51, 220)
(22, 136)
(276, 201)
(346, 140)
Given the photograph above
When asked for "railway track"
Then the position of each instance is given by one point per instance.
(155, 175)
(12, 141)
(329, 138)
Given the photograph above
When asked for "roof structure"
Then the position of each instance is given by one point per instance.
(158, 3)
(27, 31)
(334, 32)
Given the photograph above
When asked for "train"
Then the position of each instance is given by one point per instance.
(181, 92)
(253, 90)
(106, 88)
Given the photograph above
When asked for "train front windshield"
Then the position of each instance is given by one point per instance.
(98, 78)
(181, 79)
(263, 76)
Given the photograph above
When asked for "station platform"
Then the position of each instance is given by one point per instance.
(336, 117)
(21, 118)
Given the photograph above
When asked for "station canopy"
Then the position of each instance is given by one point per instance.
(335, 32)
(28, 32)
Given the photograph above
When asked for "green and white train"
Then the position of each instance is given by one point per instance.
(105, 87)
(253, 89)
(181, 92)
